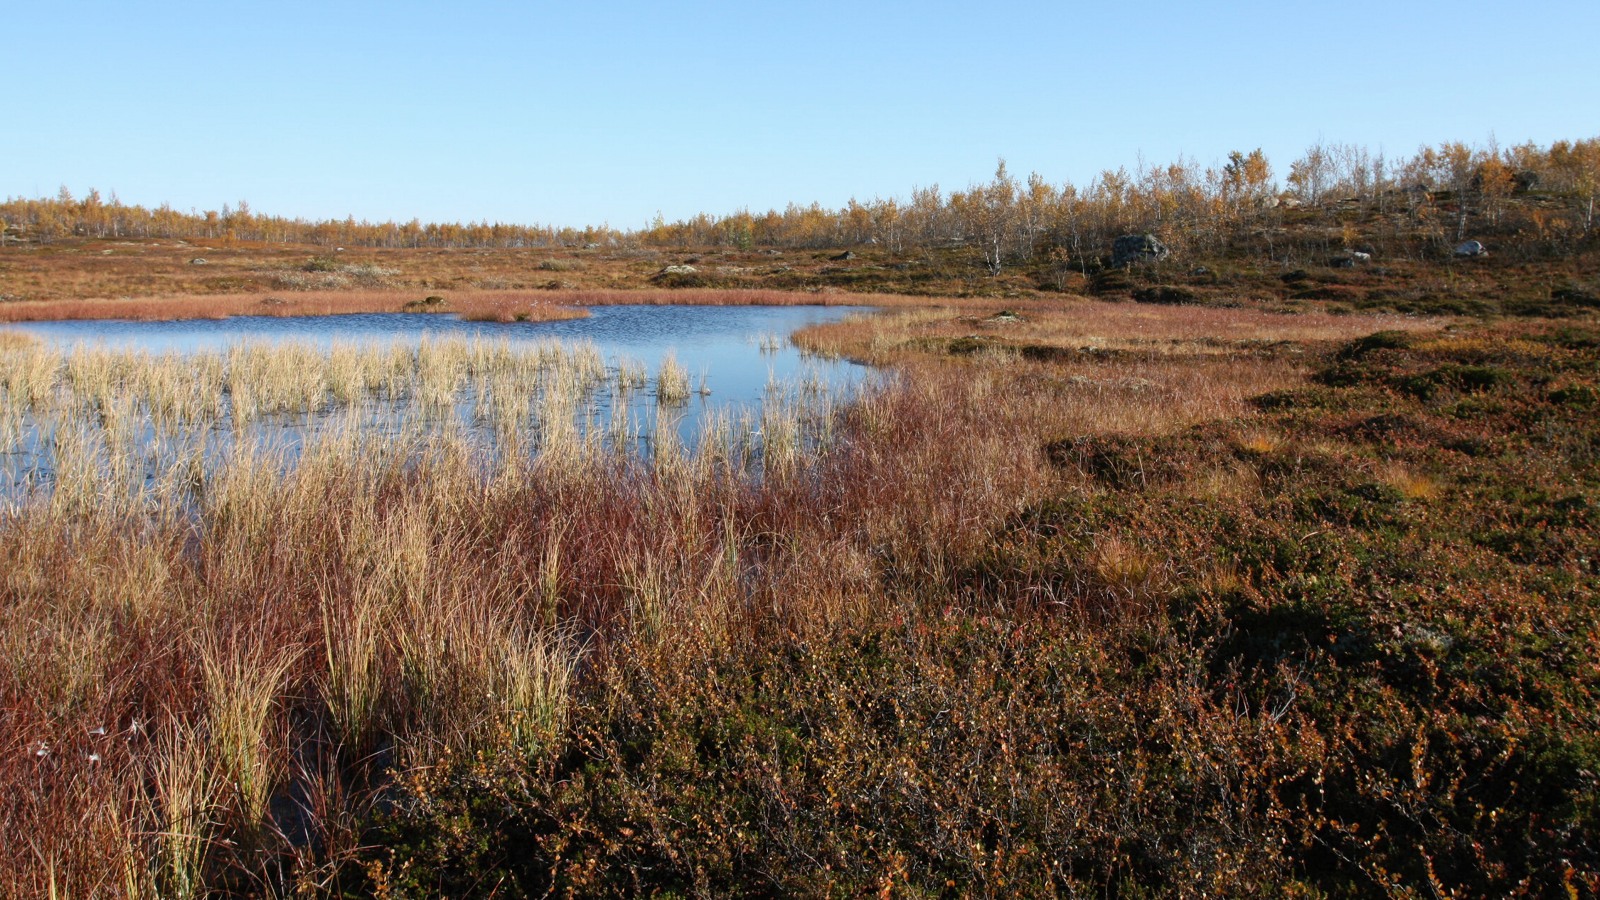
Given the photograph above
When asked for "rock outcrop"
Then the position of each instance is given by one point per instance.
(1137, 248)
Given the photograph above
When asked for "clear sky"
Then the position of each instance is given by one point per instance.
(582, 113)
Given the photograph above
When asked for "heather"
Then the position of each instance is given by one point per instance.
(1300, 612)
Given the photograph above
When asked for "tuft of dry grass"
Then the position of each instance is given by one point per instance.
(244, 681)
(187, 794)
(1410, 484)
(672, 381)
(1259, 442)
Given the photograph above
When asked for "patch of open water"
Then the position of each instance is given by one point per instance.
(737, 358)
(738, 349)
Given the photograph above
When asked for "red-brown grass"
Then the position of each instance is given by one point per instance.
(738, 297)
(1021, 584)
(482, 305)
(487, 305)
(1062, 328)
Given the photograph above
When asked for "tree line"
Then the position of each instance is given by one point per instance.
(1438, 195)
(63, 216)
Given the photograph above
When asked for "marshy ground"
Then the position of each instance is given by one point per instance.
(1268, 569)
(1089, 596)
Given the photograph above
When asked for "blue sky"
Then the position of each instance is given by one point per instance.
(580, 113)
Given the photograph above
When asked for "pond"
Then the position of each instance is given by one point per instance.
(140, 397)
(739, 349)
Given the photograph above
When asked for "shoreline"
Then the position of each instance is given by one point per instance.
(471, 305)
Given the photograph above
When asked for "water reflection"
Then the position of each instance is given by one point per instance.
(101, 404)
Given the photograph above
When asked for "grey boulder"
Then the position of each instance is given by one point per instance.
(1137, 248)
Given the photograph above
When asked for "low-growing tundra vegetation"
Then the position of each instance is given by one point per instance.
(1112, 600)
(1168, 592)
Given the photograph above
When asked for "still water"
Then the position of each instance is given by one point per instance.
(540, 385)
(735, 350)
